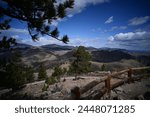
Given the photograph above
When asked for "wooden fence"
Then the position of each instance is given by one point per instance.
(129, 79)
(107, 84)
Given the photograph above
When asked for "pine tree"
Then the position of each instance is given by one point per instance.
(38, 15)
(29, 74)
(15, 76)
(51, 80)
(64, 73)
(5, 42)
(103, 67)
(42, 75)
(12, 72)
(81, 62)
(58, 72)
(56, 75)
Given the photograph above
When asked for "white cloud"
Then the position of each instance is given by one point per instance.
(123, 27)
(109, 30)
(95, 42)
(70, 15)
(146, 28)
(16, 30)
(55, 23)
(118, 28)
(114, 28)
(139, 20)
(109, 20)
(15, 36)
(130, 36)
(132, 40)
(111, 38)
(42, 41)
(80, 5)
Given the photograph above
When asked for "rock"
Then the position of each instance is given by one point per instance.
(44, 95)
(65, 92)
(55, 88)
(119, 89)
(56, 96)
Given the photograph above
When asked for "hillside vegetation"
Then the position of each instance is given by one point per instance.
(58, 71)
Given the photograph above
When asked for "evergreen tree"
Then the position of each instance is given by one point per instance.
(103, 67)
(12, 72)
(81, 62)
(29, 74)
(64, 73)
(15, 76)
(56, 75)
(42, 73)
(45, 87)
(58, 72)
(38, 15)
(51, 80)
(5, 42)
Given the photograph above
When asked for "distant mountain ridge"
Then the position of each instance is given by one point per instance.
(53, 54)
(22, 45)
(56, 47)
(110, 55)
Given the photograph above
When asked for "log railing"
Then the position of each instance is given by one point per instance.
(106, 84)
(130, 79)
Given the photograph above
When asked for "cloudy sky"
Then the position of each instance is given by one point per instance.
(98, 23)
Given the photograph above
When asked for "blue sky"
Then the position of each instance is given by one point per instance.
(98, 23)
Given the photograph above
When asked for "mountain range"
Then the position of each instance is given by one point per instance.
(55, 47)
(52, 55)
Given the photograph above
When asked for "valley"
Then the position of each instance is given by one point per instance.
(104, 62)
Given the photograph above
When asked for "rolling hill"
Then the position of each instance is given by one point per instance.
(53, 55)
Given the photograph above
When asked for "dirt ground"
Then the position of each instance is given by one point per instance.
(136, 90)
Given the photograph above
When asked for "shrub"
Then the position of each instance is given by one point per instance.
(45, 87)
(42, 73)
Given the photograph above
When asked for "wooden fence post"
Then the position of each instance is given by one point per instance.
(108, 85)
(75, 93)
(130, 76)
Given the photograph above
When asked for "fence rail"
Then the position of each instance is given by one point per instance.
(107, 84)
(130, 79)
